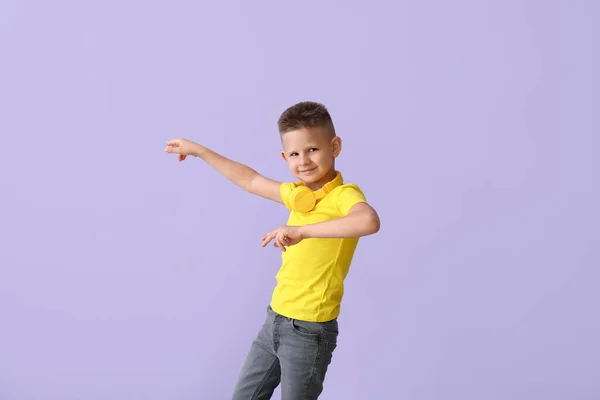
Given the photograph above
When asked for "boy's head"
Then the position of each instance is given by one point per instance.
(310, 144)
(306, 114)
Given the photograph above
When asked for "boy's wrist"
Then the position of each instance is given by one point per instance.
(198, 150)
(305, 231)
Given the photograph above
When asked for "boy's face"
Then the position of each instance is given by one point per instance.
(310, 154)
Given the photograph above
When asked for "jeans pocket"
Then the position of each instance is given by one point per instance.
(305, 328)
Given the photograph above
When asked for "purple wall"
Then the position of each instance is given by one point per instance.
(472, 127)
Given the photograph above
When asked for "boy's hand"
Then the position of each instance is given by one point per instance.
(284, 236)
(183, 147)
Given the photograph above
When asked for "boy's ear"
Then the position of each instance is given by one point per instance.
(336, 146)
(283, 155)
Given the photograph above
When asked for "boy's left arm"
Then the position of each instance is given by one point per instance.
(362, 220)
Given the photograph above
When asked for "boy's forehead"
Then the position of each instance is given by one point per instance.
(303, 136)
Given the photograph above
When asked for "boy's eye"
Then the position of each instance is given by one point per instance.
(313, 149)
(293, 154)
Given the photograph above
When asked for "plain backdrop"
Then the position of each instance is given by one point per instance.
(472, 127)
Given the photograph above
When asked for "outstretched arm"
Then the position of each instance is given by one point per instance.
(237, 173)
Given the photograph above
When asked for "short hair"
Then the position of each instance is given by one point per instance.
(306, 114)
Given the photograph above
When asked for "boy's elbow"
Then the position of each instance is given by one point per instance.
(374, 223)
(367, 219)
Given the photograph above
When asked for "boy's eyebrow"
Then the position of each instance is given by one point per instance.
(309, 146)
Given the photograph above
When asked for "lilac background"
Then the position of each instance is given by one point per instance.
(472, 126)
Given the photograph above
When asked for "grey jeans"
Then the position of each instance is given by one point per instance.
(289, 352)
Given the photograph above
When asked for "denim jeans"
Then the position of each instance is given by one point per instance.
(289, 352)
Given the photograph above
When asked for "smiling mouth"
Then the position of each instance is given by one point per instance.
(308, 170)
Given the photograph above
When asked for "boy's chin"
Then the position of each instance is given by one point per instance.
(311, 178)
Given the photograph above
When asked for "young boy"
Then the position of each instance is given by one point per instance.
(295, 344)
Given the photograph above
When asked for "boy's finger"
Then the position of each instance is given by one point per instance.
(266, 240)
(280, 244)
(270, 234)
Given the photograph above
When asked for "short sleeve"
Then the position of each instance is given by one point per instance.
(284, 190)
(348, 197)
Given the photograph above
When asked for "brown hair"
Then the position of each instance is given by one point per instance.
(306, 114)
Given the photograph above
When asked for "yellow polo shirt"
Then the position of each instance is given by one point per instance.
(310, 282)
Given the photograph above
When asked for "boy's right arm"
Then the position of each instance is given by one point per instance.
(237, 173)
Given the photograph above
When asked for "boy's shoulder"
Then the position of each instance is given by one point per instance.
(346, 196)
(345, 187)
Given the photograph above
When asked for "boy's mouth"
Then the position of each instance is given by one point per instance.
(308, 171)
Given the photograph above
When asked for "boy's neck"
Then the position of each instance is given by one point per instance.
(329, 176)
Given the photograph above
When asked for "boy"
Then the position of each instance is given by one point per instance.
(295, 344)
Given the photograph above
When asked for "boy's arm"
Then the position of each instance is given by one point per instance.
(362, 220)
(237, 173)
